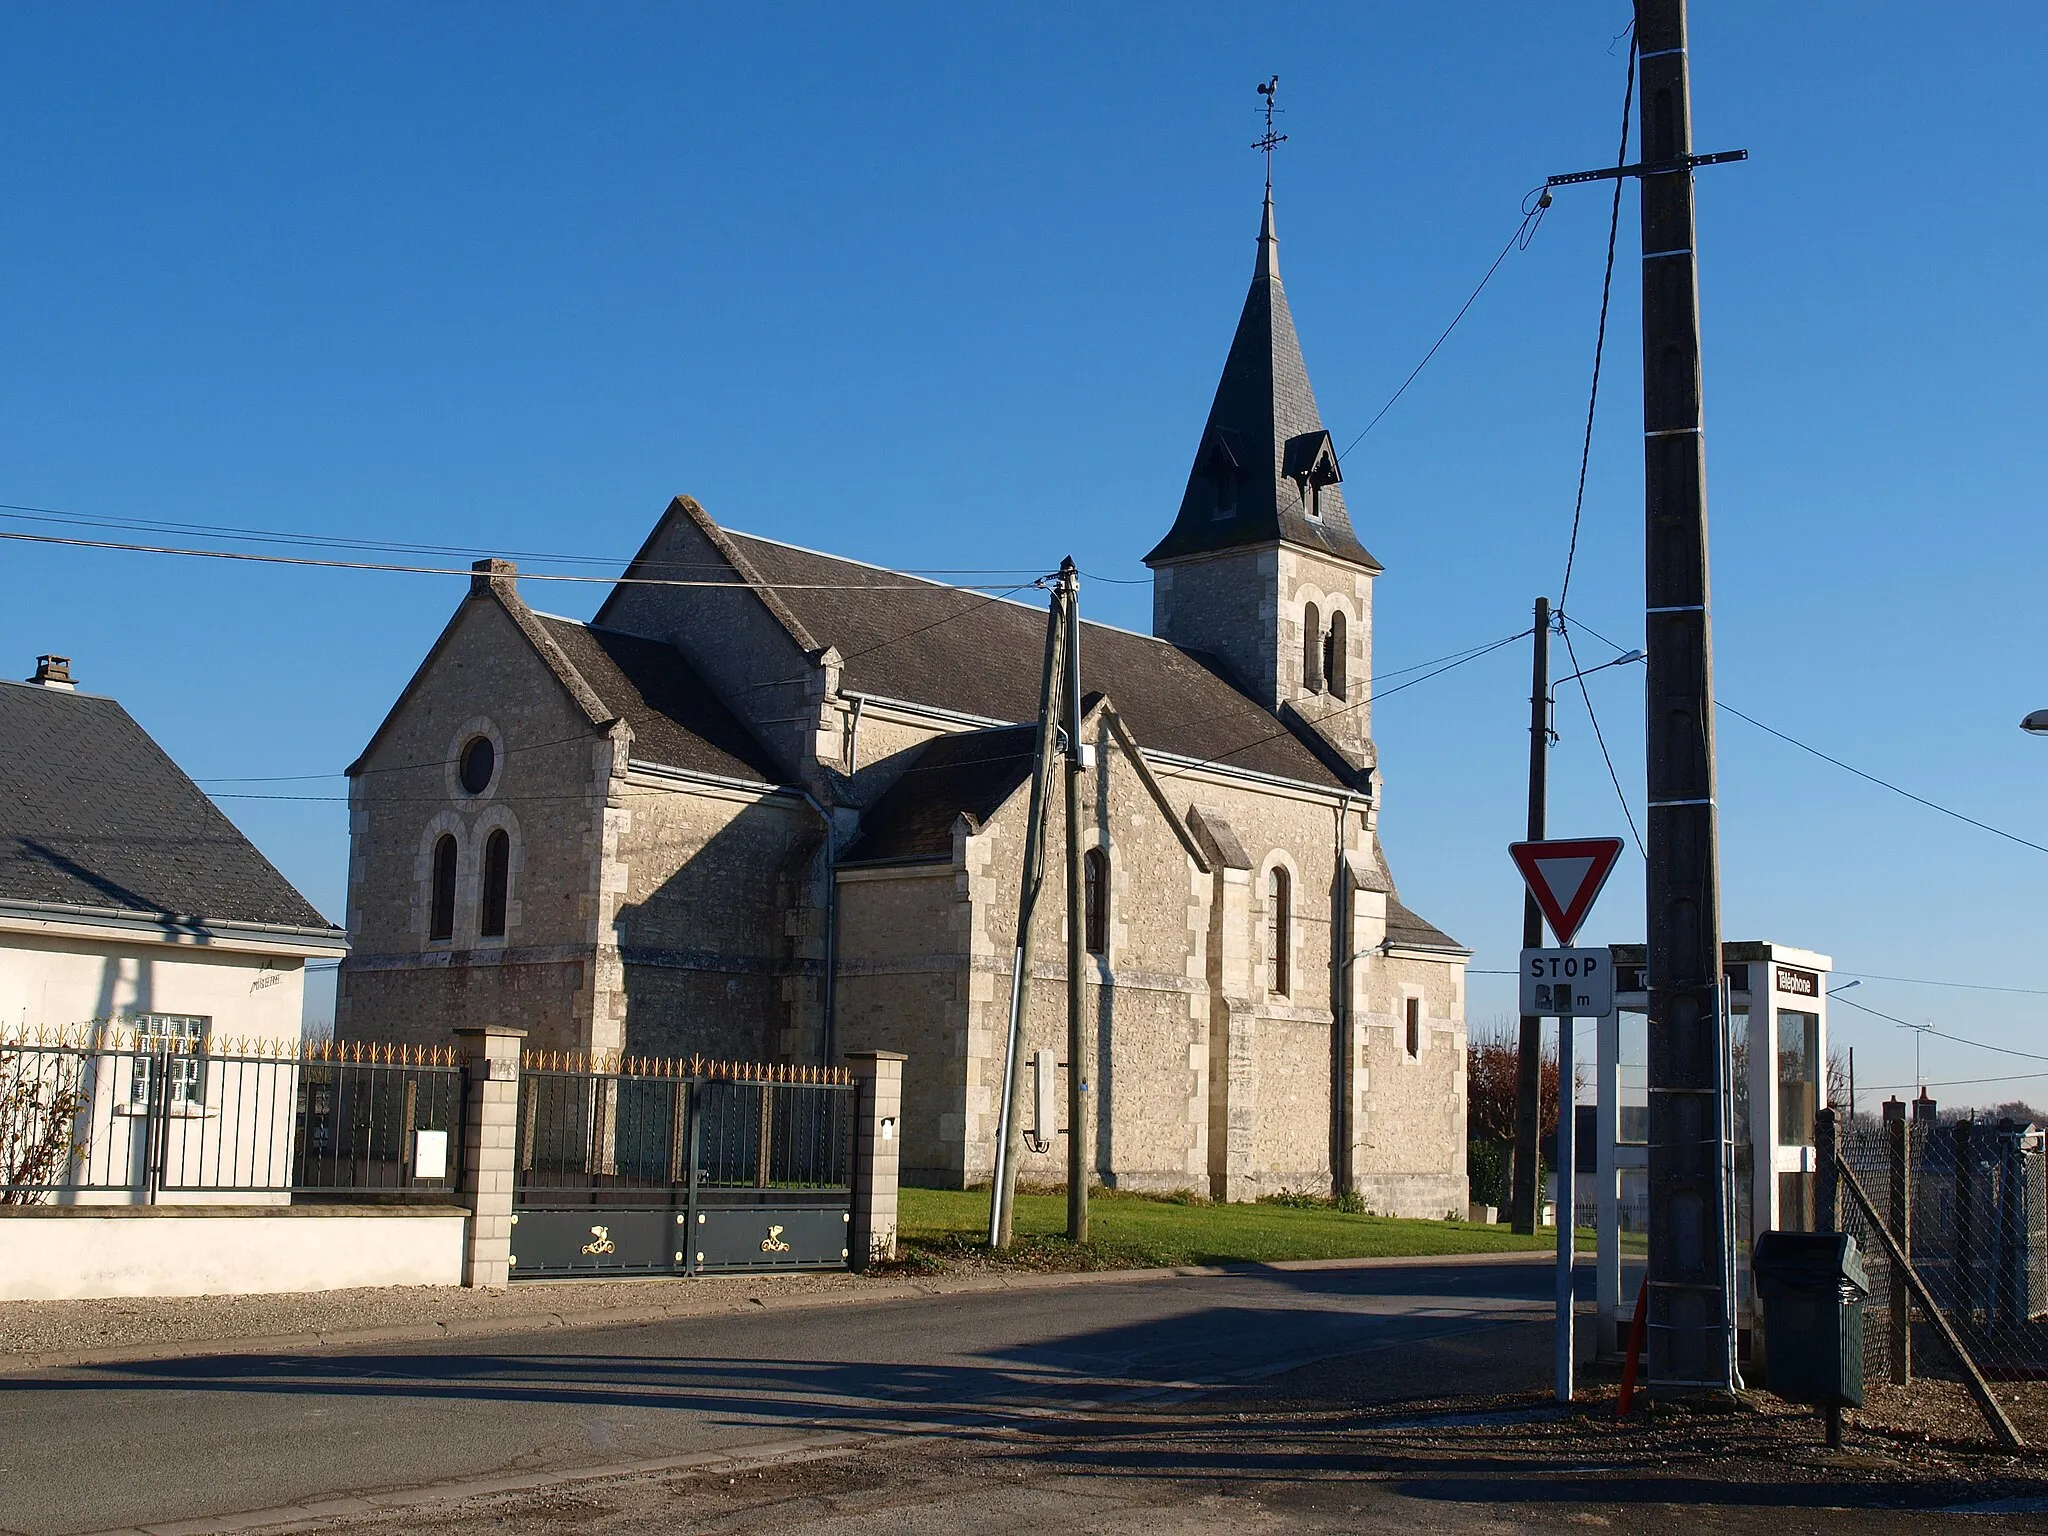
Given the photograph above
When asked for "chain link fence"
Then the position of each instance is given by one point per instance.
(1952, 1220)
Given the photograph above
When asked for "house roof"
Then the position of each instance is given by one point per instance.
(971, 772)
(1264, 447)
(973, 654)
(677, 720)
(1406, 928)
(94, 814)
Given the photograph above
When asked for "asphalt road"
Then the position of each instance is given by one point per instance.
(122, 1447)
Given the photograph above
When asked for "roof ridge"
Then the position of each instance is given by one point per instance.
(947, 586)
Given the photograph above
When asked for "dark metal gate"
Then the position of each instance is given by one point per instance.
(644, 1166)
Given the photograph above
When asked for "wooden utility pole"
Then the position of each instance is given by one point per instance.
(1079, 1141)
(1010, 1130)
(1527, 1192)
(1691, 1317)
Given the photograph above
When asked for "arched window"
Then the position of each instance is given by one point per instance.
(1095, 882)
(441, 916)
(497, 879)
(1334, 669)
(1279, 930)
(1311, 649)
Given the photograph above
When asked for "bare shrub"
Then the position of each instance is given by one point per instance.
(40, 1103)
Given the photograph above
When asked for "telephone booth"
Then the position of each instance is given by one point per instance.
(1777, 1038)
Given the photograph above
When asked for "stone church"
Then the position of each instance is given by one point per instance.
(769, 805)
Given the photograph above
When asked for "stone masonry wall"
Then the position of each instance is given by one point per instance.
(720, 923)
(904, 981)
(548, 793)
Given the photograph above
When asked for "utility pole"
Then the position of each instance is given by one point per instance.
(1529, 1055)
(1691, 1301)
(1079, 1141)
(1009, 1131)
(1691, 1313)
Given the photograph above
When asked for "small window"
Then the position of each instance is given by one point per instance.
(1095, 881)
(1226, 493)
(1334, 644)
(441, 917)
(497, 880)
(1414, 1010)
(479, 761)
(174, 1045)
(1311, 649)
(1279, 930)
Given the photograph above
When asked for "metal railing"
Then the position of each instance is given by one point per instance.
(630, 1130)
(104, 1113)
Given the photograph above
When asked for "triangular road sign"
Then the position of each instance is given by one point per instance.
(1565, 877)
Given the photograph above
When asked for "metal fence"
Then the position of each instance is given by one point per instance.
(600, 1130)
(1950, 1219)
(618, 1157)
(1966, 1201)
(112, 1114)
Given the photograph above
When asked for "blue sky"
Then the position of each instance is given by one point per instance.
(941, 286)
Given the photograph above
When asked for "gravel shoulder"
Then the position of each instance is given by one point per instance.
(40, 1335)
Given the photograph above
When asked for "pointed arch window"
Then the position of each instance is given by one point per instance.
(497, 884)
(1335, 642)
(1311, 649)
(1279, 930)
(1095, 904)
(441, 906)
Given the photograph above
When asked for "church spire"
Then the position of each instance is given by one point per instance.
(1265, 471)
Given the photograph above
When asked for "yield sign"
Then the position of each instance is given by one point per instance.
(1565, 877)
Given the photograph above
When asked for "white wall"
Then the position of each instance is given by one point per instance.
(81, 1253)
(52, 980)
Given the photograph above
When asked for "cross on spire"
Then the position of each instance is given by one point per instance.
(1270, 90)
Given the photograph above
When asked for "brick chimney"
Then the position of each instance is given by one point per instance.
(54, 672)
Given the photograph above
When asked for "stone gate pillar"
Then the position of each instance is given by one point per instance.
(490, 1119)
(877, 1144)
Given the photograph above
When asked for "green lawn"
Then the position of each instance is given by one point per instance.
(1128, 1231)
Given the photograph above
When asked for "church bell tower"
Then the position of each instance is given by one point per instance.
(1262, 568)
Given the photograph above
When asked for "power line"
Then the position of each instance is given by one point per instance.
(1370, 698)
(1968, 986)
(1524, 233)
(19, 512)
(1721, 703)
(260, 558)
(2011, 837)
(2003, 1050)
(1599, 349)
(1564, 631)
(1957, 1082)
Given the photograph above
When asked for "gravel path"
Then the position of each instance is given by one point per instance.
(44, 1332)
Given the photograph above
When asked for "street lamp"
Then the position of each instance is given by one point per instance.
(2036, 724)
(1633, 656)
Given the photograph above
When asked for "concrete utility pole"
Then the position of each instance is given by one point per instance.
(1010, 1131)
(1691, 1313)
(1078, 1139)
(1529, 1056)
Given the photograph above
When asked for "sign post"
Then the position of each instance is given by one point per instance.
(1565, 877)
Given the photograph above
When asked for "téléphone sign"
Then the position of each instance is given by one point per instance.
(1567, 983)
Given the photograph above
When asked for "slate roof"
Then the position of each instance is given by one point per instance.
(967, 652)
(677, 720)
(971, 771)
(1405, 927)
(93, 813)
(1263, 424)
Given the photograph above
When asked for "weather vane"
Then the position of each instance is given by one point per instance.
(1270, 90)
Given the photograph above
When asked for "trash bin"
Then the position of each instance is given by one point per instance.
(1812, 1285)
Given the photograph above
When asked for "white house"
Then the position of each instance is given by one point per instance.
(135, 918)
